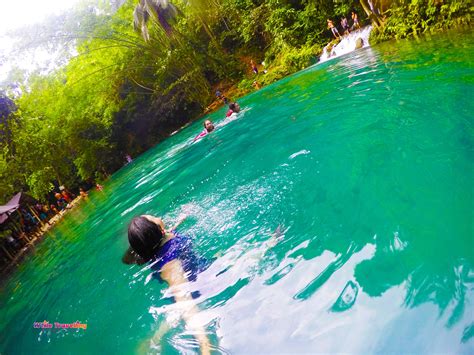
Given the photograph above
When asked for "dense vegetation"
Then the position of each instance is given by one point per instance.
(410, 18)
(123, 90)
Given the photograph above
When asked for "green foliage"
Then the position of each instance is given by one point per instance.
(39, 182)
(10, 177)
(342, 8)
(290, 61)
(407, 18)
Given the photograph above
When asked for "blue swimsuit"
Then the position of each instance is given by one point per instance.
(180, 248)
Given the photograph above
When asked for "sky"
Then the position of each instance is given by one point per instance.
(17, 14)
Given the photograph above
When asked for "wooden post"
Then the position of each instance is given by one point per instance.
(37, 217)
(20, 231)
(21, 218)
(8, 254)
(24, 236)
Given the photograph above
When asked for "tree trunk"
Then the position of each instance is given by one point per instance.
(57, 176)
(374, 18)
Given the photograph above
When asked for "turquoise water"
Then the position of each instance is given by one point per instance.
(365, 161)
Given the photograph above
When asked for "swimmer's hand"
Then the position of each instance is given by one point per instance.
(180, 220)
(182, 217)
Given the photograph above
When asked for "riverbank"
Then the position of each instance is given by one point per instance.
(283, 66)
(412, 19)
(289, 63)
(286, 64)
(36, 237)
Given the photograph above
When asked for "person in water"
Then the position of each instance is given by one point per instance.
(170, 254)
(233, 108)
(208, 128)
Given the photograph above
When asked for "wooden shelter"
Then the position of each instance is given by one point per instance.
(10, 223)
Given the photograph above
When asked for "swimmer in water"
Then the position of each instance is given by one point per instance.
(233, 108)
(208, 128)
(170, 254)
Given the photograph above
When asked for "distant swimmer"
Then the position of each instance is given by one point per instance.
(233, 108)
(208, 128)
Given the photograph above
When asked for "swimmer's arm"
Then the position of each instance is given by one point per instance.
(181, 219)
(174, 275)
(200, 135)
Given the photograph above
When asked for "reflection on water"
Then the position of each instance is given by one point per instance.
(365, 162)
(347, 297)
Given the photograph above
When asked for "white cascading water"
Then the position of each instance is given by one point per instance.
(347, 44)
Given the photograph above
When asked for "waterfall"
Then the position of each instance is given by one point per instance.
(347, 44)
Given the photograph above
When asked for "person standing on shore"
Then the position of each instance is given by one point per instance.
(66, 194)
(60, 201)
(333, 29)
(355, 21)
(254, 67)
(220, 96)
(54, 209)
(83, 193)
(345, 25)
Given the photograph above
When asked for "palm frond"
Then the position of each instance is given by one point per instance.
(138, 17)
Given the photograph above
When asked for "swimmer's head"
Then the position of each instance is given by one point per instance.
(145, 236)
(234, 106)
(208, 125)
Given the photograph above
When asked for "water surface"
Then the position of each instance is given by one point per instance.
(366, 161)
